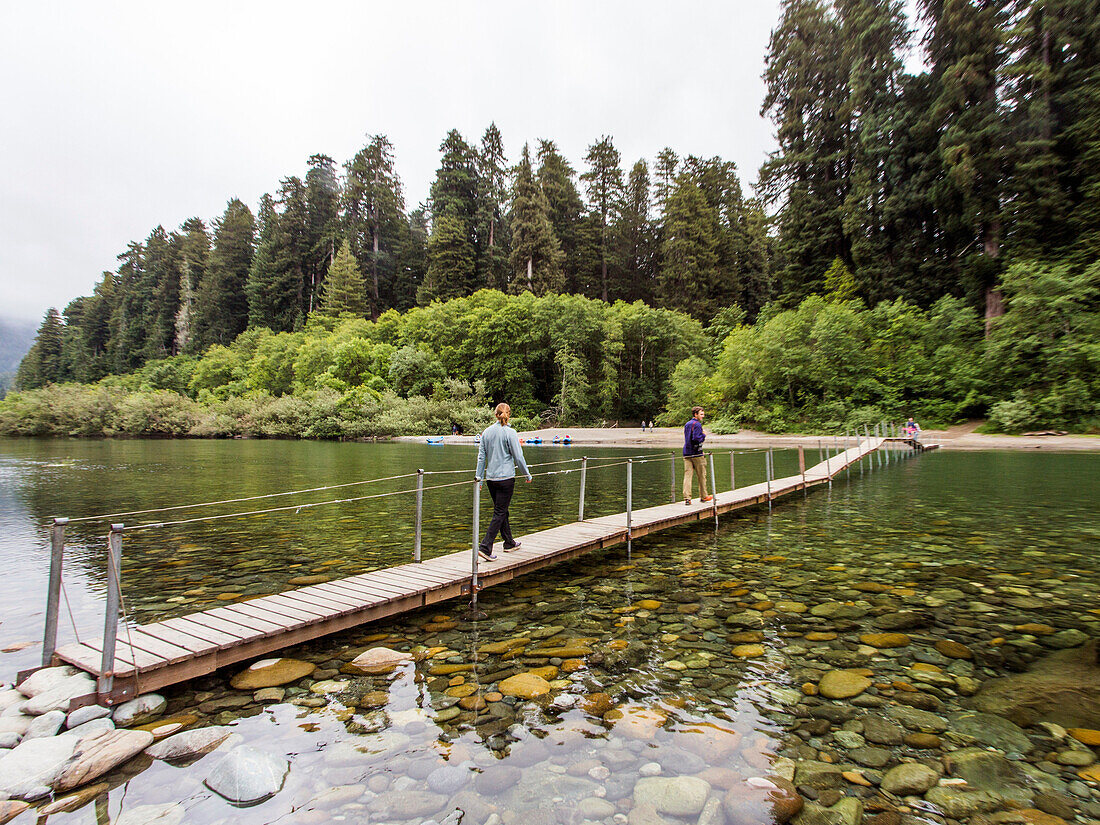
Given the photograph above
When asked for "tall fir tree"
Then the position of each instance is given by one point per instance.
(492, 196)
(636, 239)
(131, 319)
(454, 197)
(274, 277)
(221, 303)
(556, 179)
(374, 207)
(536, 257)
(689, 252)
(604, 182)
(967, 50)
(162, 262)
(343, 290)
(323, 231)
(194, 250)
(42, 364)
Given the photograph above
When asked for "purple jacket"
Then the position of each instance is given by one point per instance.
(693, 437)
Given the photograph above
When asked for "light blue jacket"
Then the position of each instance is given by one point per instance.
(499, 453)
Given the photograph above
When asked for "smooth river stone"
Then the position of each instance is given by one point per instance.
(909, 778)
(524, 686)
(34, 764)
(1088, 737)
(991, 730)
(748, 651)
(246, 775)
(953, 650)
(678, 795)
(97, 754)
(885, 640)
(843, 684)
(139, 711)
(60, 695)
(756, 800)
(636, 721)
(189, 743)
(377, 661)
(73, 801)
(272, 673)
(45, 679)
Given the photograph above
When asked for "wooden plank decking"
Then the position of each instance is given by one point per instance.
(165, 653)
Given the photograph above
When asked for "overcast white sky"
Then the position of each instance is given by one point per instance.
(119, 116)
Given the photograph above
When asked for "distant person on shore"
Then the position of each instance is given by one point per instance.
(498, 454)
(694, 462)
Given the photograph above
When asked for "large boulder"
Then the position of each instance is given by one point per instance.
(45, 679)
(34, 765)
(99, 753)
(1063, 688)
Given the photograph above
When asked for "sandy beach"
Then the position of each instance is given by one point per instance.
(962, 437)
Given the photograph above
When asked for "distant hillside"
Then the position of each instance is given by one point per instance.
(16, 337)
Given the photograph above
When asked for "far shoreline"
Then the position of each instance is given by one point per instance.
(962, 437)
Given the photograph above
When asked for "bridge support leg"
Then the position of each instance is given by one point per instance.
(802, 468)
(629, 501)
(419, 513)
(584, 474)
(733, 476)
(714, 490)
(53, 594)
(768, 468)
(474, 612)
(110, 617)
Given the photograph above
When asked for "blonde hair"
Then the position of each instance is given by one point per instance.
(503, 413)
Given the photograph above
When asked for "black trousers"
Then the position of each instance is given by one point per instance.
(501, 493)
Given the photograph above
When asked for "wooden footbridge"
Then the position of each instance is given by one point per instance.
(148, 657)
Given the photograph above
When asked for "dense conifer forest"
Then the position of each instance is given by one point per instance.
(922, 244)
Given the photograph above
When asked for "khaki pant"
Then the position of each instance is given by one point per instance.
(696, 464)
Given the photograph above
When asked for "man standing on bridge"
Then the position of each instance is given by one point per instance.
(694, 462)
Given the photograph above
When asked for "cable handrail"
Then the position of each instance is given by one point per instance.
(264, 496)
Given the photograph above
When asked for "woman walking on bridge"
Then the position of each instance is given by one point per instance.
(498, 454)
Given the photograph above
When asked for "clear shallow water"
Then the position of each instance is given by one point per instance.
(981, 542)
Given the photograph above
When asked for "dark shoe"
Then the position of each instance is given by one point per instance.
(515, 546)
(706, 498)
(487, 556)
(687, 501)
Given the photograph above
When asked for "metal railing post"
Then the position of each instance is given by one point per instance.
(733, 476)
(672, 488)
(419, 514)
(847, 447)
(713, 489)
(629, 499)
(768, 468)
(802, 466)
(584, 474)
(473, 556)
(110, 616)
(53, 594)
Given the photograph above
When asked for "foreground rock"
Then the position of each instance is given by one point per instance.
(189, 743)
(272, 673)
(1063, 688)
(99, 753)
(679, 796)
(30, 769)
(139, 711)
(376, 661)
(755, 800)
(246, 776)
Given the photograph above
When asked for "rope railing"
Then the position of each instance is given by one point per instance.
(115, 600)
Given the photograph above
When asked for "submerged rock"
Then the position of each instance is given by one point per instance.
(1063, 688)
(679, 795)
(246, 776)
(140, 710)
(268, 673)
(189, 743)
